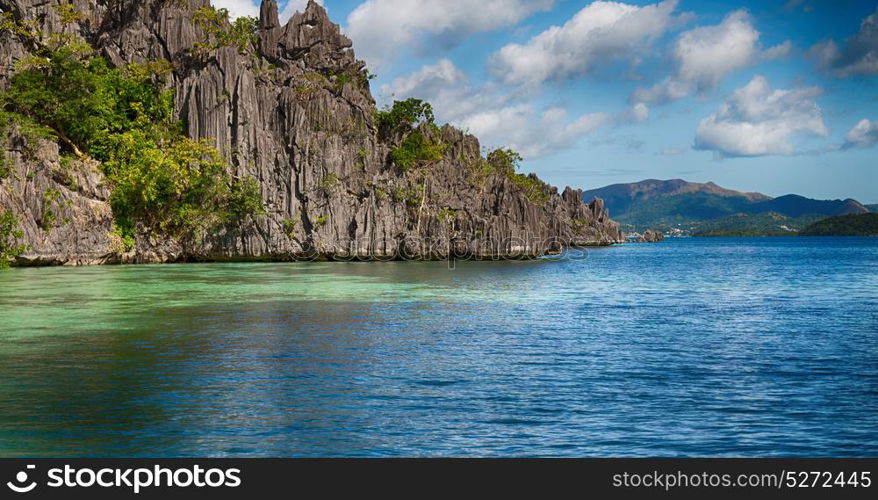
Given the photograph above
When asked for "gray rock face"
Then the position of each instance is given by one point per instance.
(649, 236)
(294, 111)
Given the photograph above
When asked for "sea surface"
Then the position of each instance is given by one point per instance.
(750, 347)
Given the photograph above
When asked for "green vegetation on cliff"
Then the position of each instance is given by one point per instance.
(328, 176)
(4, 166)
(846, 225)
(9, 236)
(411, 119)
(417, 149)
(506, 162)
(161, 180)
(224, 32)
(402, 116)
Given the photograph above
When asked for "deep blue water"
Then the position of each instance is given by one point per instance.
(694, 347)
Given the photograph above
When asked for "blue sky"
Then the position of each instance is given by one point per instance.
(772, 96)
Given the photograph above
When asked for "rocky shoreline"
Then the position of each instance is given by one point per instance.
(290, 112)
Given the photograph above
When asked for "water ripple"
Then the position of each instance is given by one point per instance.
(728, 347)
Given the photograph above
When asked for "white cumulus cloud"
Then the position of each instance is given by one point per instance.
(237, 8)
(706, 55)
(757, 121)
(863, 135)
(602, 31)
(532, 133)
(447, 88)
(500, 118)
(379, 28)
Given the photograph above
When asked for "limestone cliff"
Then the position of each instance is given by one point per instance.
(293, 111)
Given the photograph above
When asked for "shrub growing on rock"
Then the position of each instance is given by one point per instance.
(9, 236)
(414, 121)
(160, 179)
(506, 162)
(224, 32)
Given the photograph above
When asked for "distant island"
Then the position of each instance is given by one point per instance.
(847, 225)
(766, 224)
(681, 208)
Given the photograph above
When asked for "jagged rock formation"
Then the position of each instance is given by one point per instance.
(292, 113)
(652, 236)
(648, 236)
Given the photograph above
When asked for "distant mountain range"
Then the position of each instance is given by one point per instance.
(681, 207)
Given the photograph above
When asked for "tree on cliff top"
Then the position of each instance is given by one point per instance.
(403, 122)
(403, 116)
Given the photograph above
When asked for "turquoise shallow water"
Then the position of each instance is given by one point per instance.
(697, 347)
